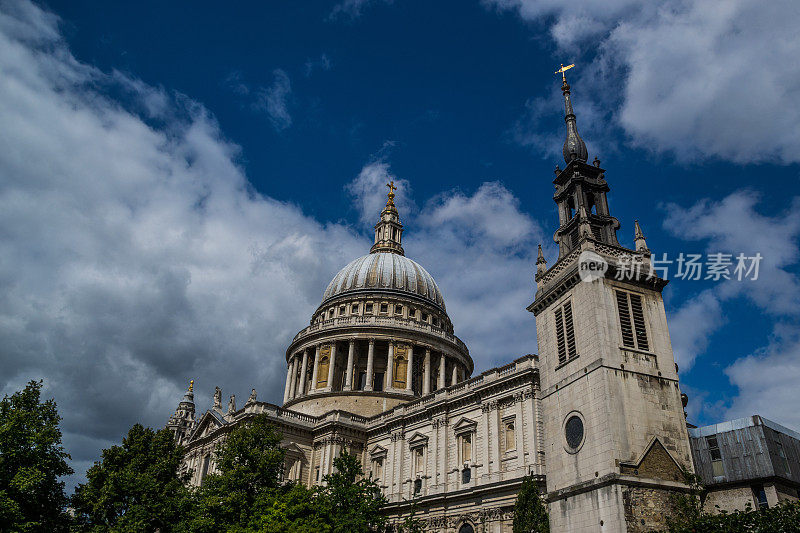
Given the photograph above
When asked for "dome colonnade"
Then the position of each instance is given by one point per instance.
(380, 337)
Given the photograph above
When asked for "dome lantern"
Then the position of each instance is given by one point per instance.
(389, 230)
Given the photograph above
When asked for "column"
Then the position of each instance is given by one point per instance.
(485, 428)
(370, 364)
(454, 380)
(426, 374)
(390, 369)
(293, 383)
(494, 444)
(410, 368)
(348, 379)
(316, 368)
(288, 383)
(303, 370)
(519, 428)
(440, 383)
(332, 366)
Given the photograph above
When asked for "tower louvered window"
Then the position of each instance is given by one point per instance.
(631, 320)
(565, 333)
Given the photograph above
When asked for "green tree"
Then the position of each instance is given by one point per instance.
(293, 508)
(530, 514)
(248, 483)
(350, 502)
(31, 461)
(783, 518)
(135, 486)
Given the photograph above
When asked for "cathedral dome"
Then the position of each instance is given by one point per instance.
(385, 270)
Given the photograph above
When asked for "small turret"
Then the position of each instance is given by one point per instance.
(541, 264)
(638, 238)
(182, 422)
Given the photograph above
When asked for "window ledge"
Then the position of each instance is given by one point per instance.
(568, 361)
(637, 350)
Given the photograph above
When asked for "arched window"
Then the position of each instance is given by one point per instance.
(591, 205)
(466, 528)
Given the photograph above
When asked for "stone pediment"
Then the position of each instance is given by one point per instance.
(465, 425)
(656, 462)
(293, 450)
(377, 451)
(417, 440)
(208, 423)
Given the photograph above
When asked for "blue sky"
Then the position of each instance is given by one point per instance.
(181, 181)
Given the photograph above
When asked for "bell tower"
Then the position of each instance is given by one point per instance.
(616, 442)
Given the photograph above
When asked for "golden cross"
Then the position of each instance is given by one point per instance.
(392, 188)
(563, 69)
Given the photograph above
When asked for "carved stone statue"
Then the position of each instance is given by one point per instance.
(217, 398)
(232, 404)
(252, 397)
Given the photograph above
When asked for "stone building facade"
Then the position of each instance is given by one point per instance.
(596, 416)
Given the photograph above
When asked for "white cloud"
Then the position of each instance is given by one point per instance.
(691, 326)
(733, 225)
(697, 79)
(767, 380)
(275, 100)
(369, 192)
(136, 257)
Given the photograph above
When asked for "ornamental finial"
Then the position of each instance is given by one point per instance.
(191, 385)
(562, 70)
(392, 188)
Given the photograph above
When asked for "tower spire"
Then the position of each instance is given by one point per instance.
(389, 230)
(574, 147)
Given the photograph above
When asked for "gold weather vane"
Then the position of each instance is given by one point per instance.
(191, 385)
(562, 70)
(392, 188)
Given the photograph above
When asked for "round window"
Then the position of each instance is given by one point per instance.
(573, 431)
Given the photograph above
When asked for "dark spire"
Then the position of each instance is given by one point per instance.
(574, 147)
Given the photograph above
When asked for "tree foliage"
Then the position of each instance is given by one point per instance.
(249, 463)
(783, 518)
(135, 486)
(31, 461)
(247, 494)
(350, 502)
(530, 513)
